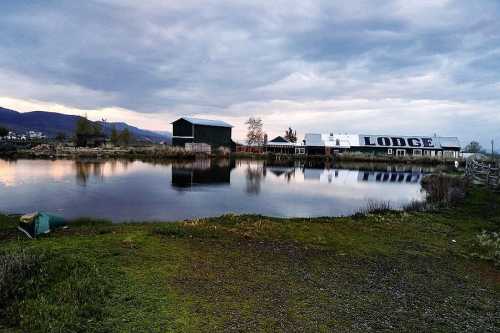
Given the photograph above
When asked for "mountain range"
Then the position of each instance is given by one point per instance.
(52, 123)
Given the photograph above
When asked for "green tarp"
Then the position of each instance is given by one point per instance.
(39, 223)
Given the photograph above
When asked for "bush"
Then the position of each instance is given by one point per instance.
(42, 292)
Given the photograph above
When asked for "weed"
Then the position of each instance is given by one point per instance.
(488, 246)
(374, 207)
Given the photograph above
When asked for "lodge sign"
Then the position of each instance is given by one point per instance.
(397, 141)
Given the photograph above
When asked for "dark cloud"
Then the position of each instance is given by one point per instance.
(214, 57)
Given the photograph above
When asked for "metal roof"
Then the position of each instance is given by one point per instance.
(206, 122)
(279, 139)
(449, 142)
(313, 139)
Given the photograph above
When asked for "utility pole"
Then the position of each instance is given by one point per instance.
(492, 150)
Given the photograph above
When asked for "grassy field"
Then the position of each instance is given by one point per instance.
(394, 271)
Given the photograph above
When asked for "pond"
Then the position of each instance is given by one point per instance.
(123, 190)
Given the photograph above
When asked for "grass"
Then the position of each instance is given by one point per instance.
(396, 271)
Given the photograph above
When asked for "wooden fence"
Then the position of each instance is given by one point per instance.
(482, 173)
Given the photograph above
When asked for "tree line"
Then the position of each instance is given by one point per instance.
(87, 131)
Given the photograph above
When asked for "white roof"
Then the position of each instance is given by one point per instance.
(206, 122)
(449, 142)
(332, 140)
(340, 140)
(313, 139)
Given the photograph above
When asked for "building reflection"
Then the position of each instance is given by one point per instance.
(202, 172)
(389, 177)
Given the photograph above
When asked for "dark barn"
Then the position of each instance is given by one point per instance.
(215, 133)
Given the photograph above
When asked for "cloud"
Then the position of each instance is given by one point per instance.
(432, 61)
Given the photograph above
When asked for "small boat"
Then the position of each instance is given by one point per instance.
(37, 223)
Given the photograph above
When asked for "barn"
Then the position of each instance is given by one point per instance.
(215, 133)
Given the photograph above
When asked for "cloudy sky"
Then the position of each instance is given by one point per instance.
(395, 67)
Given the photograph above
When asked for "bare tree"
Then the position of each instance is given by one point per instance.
(255, 135)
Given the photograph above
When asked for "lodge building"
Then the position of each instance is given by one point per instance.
(328, 144)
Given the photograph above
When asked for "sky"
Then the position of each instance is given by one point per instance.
(414, 67)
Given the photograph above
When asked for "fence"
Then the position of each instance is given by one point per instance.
(483, 173)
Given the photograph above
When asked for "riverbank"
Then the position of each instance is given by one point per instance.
(406, 271)
(162, 152)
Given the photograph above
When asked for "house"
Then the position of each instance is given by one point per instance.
(280, 145)
(215, 133)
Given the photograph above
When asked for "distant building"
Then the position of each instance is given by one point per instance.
(215, 133)
(320, 144)
(329, 144)
(36, 135)
(280, 145)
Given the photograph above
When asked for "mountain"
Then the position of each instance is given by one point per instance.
(52, 123)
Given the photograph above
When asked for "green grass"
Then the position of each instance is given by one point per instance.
(395, 271)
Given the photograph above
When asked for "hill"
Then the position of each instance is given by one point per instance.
(52, 123)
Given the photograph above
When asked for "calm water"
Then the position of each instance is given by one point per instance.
(125, 191)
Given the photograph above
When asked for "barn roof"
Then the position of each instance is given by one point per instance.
(205, 122)
(279, 139)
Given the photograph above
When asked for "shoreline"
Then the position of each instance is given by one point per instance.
(261, 273)
(154, 153)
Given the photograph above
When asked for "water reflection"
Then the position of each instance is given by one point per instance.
(202, 172)
(135, 190)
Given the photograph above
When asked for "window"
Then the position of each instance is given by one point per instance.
(389, 151)
(400, 152)
(300, 151)
(448, 153)
(417, 152)
(337, 142)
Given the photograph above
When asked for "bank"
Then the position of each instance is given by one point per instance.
(406, 271)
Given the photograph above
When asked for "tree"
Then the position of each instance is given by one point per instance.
(3, 131)
(86, 130)
(473, 147)
(61, 137)
(291, 135)
(96, 128)
(125, 137)
(255, 135)
(115, 138)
